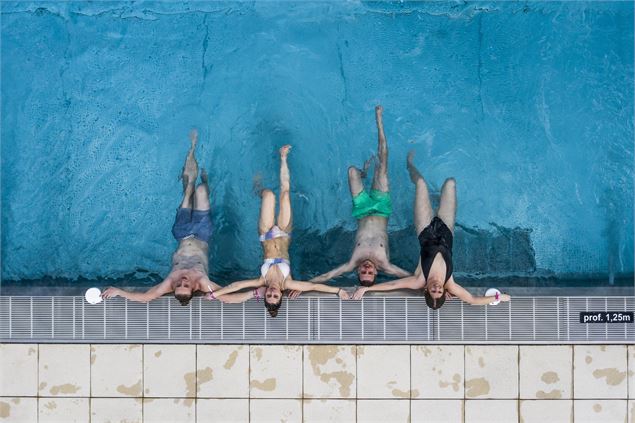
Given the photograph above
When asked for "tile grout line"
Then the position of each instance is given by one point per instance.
(90, 380)
(143, 381)
(518, 382)
(464, 381)
(410, 385)
(249, 383)
(196, 383)
(302, 393)
(37, 402)
(356, 381)
(573, 383)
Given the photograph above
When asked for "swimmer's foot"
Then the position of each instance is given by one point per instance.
(367, 163)
(412, 170)
(284, 151)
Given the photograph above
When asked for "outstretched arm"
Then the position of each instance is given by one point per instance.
(309, 286)
(239, 297)
(410, 282)
(237, 286)
(457, 290)
(346, 267)
(156, 291)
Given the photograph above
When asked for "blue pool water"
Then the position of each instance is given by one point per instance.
(528, 105)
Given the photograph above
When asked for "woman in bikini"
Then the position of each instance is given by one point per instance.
(435, 233)
(275, 272)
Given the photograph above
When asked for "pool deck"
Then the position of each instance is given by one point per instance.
(339, 383)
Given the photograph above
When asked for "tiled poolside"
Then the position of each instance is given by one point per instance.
(339, 383)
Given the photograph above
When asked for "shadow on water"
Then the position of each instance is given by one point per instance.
(500, 256)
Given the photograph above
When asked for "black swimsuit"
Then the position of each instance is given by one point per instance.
(436, 238)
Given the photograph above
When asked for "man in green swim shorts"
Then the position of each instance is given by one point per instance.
(370, 254)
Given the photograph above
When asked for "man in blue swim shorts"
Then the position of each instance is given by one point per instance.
(192, 229)
(372, 210)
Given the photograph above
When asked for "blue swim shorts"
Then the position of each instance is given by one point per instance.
(192, 222)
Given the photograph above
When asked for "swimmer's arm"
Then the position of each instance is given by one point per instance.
(239, 297)
(319, 287)
(346, 267)
(209, 285)
(463, 294)
(410, 282)
(156, 291)
(237, 286)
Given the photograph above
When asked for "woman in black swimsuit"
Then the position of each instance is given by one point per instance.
(436, 233)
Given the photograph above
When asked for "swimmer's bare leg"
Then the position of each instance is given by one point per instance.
(190, 173)
(356, 177)
(422, 207)
(380, 178)
(190, 168)
(447, 205)
(285, 217)
(201, 195)
(267, 211)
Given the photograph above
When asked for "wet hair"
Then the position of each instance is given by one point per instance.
(434, 303)
(272, 308)
(183, 299)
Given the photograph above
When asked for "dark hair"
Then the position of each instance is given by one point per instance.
(434, 303)
(183, 299)
(272, 308)
(366, 283)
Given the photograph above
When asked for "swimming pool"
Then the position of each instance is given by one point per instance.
(528, 106)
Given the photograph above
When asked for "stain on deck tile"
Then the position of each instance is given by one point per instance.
(67, 388)
(555, 394)
(258, 353)
(550, 377)
(477, 387)
(612, 375)
(5, 410)
(267, 385)
(203, 376)
(132, 391)
(456, 384)
(231, 360)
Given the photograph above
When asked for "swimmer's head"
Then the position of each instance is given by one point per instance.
(367, 273)
(273, 300)
(183, 291)
(434, 293)
(183, 298)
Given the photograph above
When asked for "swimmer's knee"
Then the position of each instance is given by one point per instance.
(353, 172)
(267, 195)
(202, 190)
(450, 183)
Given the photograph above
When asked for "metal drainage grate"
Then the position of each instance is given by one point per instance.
(309, 320)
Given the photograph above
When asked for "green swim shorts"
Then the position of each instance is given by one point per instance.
(376, 204)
